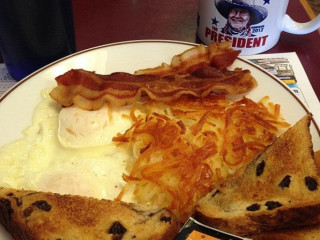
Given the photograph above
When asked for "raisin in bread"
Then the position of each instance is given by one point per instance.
(278, 189)
(29, 215)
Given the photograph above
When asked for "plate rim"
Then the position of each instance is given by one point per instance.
(18, 83)
(161, 41)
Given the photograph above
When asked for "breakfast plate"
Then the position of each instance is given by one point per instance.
(18, 104)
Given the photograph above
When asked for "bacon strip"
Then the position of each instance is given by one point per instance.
(218, 55)
(91, 91)
(197, 71)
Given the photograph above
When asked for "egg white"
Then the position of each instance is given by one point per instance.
(85, 162)
(80, 128)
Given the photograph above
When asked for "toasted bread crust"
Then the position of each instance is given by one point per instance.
(264, 222)
(293, 203)
(317, 160)
(29, 215)
(305, 233)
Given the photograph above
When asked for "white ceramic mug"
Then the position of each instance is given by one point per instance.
(253, 26)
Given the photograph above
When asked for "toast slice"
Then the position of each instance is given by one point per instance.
(278, 189)
(30, 215)
(302, 233)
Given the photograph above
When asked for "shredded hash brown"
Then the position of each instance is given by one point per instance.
(185, 147)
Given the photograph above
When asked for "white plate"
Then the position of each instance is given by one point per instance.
(17, 105)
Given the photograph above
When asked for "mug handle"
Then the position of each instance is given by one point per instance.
(291, 26)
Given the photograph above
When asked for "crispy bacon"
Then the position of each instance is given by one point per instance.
(197, 72)
(218, 55)
(91, 91)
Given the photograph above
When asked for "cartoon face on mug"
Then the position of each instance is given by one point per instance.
(240, 15)
(238, 19)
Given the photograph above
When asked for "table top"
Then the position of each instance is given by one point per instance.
(100, 22)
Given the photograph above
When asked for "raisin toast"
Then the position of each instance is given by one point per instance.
(311, 232)
(30, 215)
(278, 189)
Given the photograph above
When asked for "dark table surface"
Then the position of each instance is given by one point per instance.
(100, 22)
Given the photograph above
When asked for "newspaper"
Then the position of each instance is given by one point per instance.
(286, 66)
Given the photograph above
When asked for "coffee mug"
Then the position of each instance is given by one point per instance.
(252, 26)
(34, 33)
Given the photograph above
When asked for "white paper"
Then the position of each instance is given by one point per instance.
(6, 81)
(288, 68)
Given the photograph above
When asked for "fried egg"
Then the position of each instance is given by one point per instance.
(81, 128)
(68, 151)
